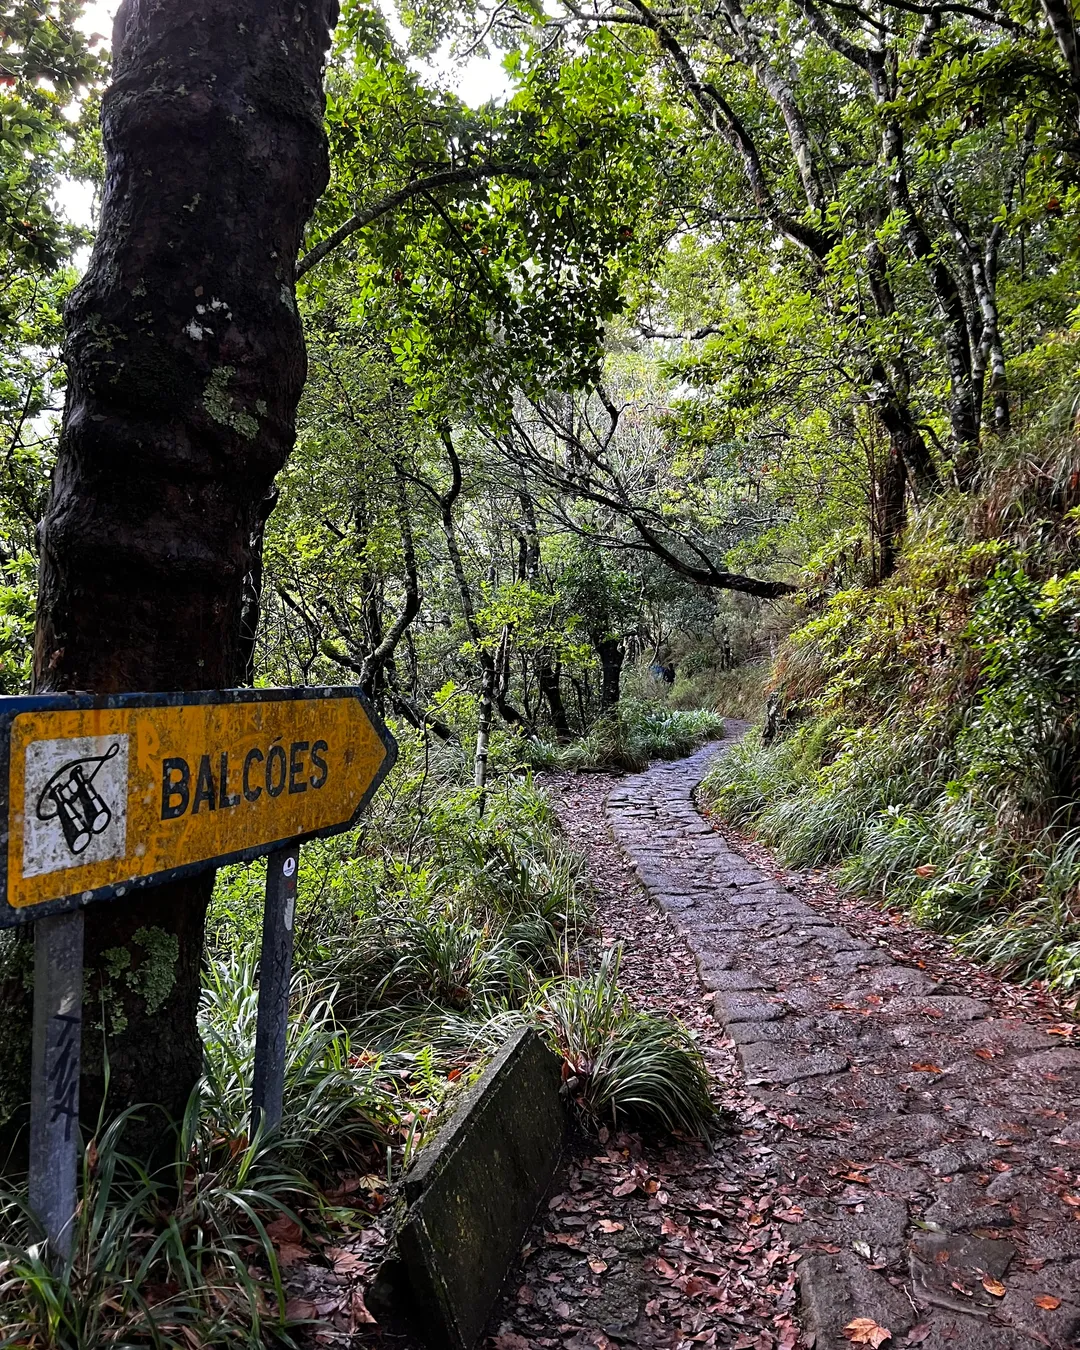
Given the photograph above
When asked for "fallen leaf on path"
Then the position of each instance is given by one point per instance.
(993, 1286)
(291, 1253)
(1073, 1200)
(918, 1333)
(597, 1266)
(345, 1262)
(865, 1331)
(358, 1311)
(283, 1229)
(926, 1068)
(1047, 1301)
(610, 1226)
(627, 1187)
(300, 1310)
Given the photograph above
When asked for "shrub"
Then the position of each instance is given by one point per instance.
(620, 1063)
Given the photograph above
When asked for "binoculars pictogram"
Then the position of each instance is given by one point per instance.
(70, 797)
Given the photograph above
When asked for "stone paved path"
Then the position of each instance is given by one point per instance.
(934, 1143)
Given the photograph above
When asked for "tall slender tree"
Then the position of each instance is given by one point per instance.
(186, 359)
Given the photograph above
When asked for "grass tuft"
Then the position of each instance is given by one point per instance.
(621, 1064)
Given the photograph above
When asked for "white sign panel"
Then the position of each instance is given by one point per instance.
(74, 802)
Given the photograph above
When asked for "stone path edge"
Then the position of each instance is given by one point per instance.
(931, 1143)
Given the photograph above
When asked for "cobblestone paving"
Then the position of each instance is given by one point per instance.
(933, 1141)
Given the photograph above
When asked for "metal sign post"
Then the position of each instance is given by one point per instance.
(275, 977)
(55, 1142)
(102, 796)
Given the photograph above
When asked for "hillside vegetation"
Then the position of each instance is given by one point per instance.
(931, 736)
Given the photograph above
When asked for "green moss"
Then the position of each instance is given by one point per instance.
(152, 978)
(219, 403)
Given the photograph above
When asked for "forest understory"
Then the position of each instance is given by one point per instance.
(669, 1241)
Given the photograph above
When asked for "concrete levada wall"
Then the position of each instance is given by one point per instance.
(476, 1189)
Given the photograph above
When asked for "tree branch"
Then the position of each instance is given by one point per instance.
(418, 187)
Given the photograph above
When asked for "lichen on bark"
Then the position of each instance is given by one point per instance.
(219, 403)
(150, 978)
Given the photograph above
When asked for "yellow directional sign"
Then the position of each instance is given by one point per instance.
(135, 789)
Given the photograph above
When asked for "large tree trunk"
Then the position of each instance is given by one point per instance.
(186, 362)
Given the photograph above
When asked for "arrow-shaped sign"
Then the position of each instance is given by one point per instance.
(106, 794)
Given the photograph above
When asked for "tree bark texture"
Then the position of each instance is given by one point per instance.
(186, 362)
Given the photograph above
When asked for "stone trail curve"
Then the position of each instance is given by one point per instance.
(932, 1146)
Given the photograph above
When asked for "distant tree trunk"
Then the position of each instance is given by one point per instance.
(548, 678)
(489, 695)
(1062, 20)
(483, 732)
(502, 684)
(892, 511)
(611, 652)
(377, 664)
(485, 660)
(548, 674)
(186, 361)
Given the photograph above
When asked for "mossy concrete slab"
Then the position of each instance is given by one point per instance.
(476, 1188)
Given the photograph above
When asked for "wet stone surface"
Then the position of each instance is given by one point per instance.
(932, 1140)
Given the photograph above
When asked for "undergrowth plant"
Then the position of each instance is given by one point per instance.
(337, 1103)
(175, 1258)
(622, 1064)
(629, 737)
